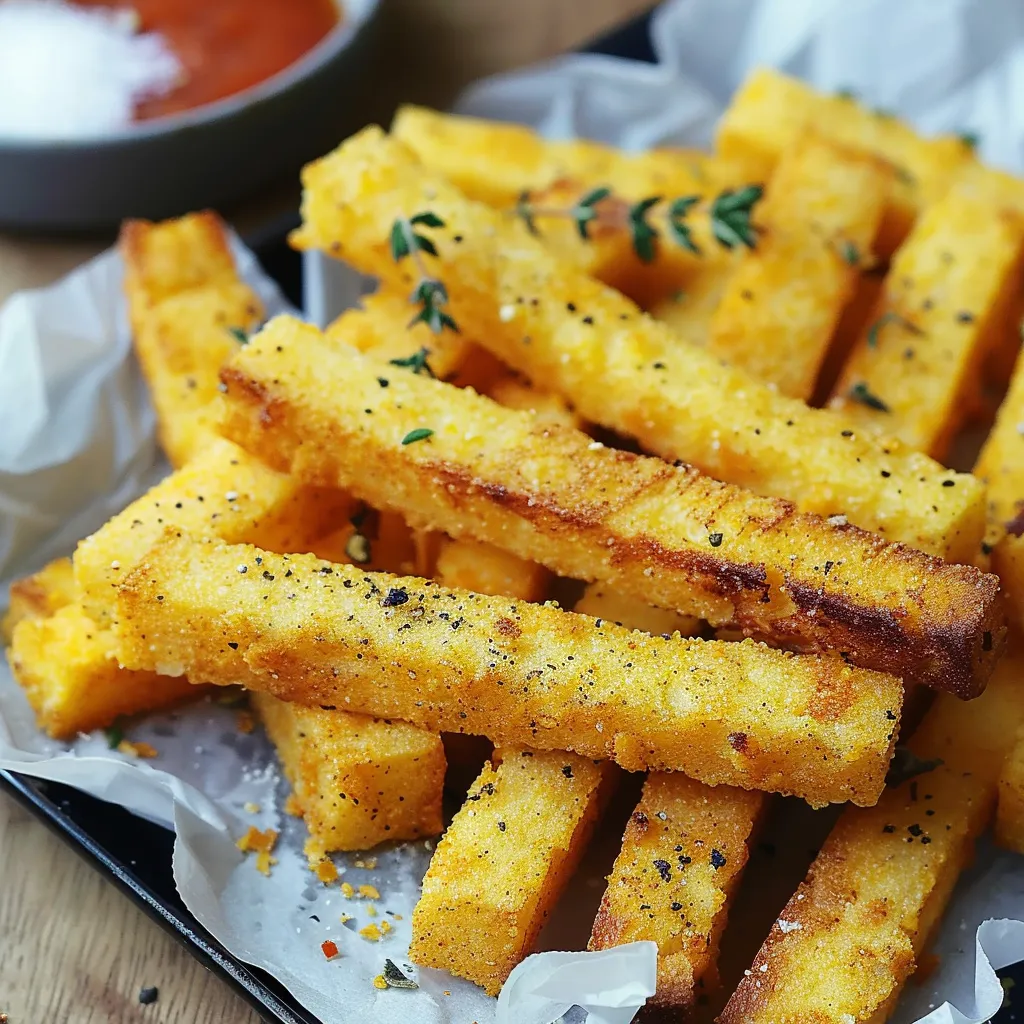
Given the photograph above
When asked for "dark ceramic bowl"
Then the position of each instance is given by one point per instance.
(209, 156)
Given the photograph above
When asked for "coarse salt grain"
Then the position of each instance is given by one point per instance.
(75, 72)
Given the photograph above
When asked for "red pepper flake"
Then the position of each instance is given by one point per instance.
(329, 949)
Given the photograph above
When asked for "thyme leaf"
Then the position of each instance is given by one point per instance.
(730, 217)
(860, 392)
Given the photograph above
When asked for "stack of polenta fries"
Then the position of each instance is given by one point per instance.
(716, 388)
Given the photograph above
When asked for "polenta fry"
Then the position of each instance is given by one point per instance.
(682, 857)
(780, 308)
(601, 601)
(620, 368)
(504, 861)
(918, 363)
(65, 663)
(883, 877)
(771, 110)
(398, 647)
(188, 309)
(662, 534)
(358, 782)
(39, 595)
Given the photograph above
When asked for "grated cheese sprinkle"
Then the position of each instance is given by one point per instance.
(76, 72)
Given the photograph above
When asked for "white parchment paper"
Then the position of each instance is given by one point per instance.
(76, 444)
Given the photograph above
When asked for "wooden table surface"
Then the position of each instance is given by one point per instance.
(72, 949)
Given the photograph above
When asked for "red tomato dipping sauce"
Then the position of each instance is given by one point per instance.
(226, 46)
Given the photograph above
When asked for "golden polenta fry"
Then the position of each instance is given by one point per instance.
(189, 310)
(914, 370)
(1001, 462)
(1009, 825)
(39, 595)
(820, 215)
(682, 857)
(401, 647)
(771, 110)
(618, 367)
(662, 534)
(67, 667)
(358, 782)
(502, 864)
(1008, 562)
(850, 937)
(223, 493)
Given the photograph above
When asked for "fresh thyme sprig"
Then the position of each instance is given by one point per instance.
(430, 293)
(730, 214)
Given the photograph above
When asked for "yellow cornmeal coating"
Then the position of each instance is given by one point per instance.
(945, 304)
(66, 665)
(405, 648)
(503, 863)
(39, 595)
(184, 299)
(682, 856)
(620, 368)
(820, 214)
(359, 782)
(1009, 824)
(662, 534)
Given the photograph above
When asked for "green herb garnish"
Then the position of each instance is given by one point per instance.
(906, 765)
(115, 733)
(850, 253)
(860, 392)
(677, 211)
(430, 294)
(419, 434)
(890, 317)
(395, 977)
(970, 139)
(846, 93)
(584, 211)
(642, 234)
(239, 334)
(417, 362)
(730, 217)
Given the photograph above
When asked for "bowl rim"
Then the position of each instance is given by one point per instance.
(354, 16)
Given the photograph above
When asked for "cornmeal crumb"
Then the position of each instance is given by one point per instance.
(264, 862)
(369, 863)
(371, 909)
(327, 872)
(255, 841)
(245, 721)
(379, 982)
(251, 808)
(369, 891)
(385, 927)
(142, 750)
(371, 933)
(347, 891)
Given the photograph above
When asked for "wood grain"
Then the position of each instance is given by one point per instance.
(72, 949)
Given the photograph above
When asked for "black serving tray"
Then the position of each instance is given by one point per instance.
(134, 854)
